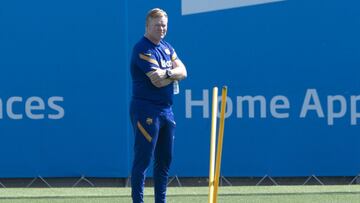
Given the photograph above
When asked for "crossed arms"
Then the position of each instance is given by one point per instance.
(162, 77)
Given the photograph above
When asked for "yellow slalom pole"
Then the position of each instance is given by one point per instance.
(214, 112)
(220, 142)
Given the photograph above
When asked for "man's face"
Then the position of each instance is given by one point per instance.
(157, 28)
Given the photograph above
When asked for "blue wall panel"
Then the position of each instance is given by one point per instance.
(71, 49)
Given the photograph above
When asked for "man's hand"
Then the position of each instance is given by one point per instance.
(157, 74)
(158, 77)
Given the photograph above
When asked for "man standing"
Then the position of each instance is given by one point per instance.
(155, 71)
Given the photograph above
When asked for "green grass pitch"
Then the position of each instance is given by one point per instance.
(268, 194)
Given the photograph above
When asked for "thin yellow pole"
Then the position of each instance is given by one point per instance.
(214, 111)
(220, 142)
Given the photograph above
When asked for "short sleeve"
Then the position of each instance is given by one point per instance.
(146, 61)
(173, 54)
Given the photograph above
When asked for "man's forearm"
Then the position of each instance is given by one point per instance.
(178, 72)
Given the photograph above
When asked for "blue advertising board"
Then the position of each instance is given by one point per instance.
(291, 68)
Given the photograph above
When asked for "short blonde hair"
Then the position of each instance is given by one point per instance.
(155, 13)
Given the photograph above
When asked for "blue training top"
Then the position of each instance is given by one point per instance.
(145, 56)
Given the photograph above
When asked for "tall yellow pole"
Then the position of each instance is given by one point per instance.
(214, 111)
(220, 142)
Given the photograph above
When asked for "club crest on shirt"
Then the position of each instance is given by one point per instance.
(149, 121)
(167, 51)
